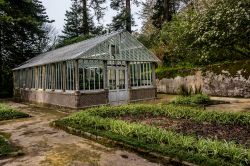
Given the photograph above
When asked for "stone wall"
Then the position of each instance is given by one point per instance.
(231, 80)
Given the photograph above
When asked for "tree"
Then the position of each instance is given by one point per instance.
(124, 19)
(78, 18)
(209, 32)
(21, 31)
(164, 10)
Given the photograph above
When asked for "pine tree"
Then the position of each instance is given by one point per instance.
(79, 22)
(124, 19)
(21, 32)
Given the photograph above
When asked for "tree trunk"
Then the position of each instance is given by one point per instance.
(85, 18)
(166, 11)
(128, 16)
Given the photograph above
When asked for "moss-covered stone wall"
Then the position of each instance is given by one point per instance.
(230, 79)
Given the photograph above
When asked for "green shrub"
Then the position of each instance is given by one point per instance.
(198, 99)
(5, 147)
(6, 113)
(200, 151)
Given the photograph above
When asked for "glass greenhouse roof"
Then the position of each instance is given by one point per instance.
(119, 45)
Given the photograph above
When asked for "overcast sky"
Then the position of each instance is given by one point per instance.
(56, 10)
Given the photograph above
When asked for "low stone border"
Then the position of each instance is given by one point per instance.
(153, 156)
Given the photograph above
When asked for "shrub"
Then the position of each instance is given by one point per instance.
(198, 99)
(6, 113)
(5, 147)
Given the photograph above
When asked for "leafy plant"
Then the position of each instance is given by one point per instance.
(5, 147)
(197, 99)
(101, 121)
(6, 113)
(208, 32)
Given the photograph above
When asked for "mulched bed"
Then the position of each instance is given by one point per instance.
(237, 133)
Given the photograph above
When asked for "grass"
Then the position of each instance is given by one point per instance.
(101, 121)
(193, 100)
(7, 113)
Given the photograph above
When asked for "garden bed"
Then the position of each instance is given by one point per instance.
(103, 122)
(240, 134)
(7, 113)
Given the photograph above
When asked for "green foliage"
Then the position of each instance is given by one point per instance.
(21, 36)
(233, 68)
(198, 99)
(79, 22)
(212, 32)
(169, 72)
(73, 40)
(164, 10)
(175, 112)
(184, 91)
(101, 121)
(5, 147)
(7, 113)
(123, 19)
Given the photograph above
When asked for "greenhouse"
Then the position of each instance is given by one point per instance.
(110, 69)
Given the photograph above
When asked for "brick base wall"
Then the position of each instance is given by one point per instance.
(79, 100)
(92, 99)
(65, 99)
(143, 93)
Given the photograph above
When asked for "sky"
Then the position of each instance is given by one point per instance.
(56, 10)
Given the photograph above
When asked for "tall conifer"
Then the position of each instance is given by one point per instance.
(21, 32)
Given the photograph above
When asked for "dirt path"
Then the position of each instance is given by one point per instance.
(44, 145)
(234, 105)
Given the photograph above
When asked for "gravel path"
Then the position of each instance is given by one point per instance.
(44, 145)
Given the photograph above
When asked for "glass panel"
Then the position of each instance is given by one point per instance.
(141, 74)
(90, 74)
(70, 75)
(87, 78)
(81, 77)
(92, 79)
(112, 79)
(58, 76)
(101, 78)
(121, 79)
(97, 78)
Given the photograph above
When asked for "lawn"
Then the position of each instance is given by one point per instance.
(7, 113)
(171, 130)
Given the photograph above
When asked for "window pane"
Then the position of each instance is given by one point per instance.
(92, 79)
(97, 78)
(121, 79)
(112, 79)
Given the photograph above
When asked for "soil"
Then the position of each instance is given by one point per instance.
(47, 146)
(236, 133)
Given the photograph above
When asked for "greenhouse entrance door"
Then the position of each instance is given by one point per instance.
(117, 82)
